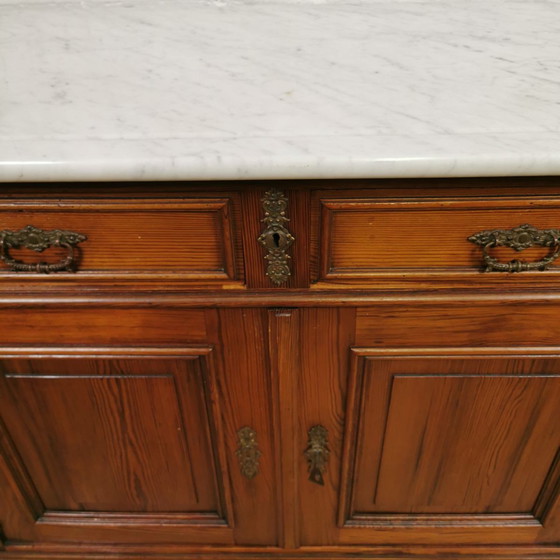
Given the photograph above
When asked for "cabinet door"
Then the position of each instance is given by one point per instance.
(428, 445)
(452, 445)
(138, 443)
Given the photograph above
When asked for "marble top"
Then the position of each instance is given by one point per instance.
(237, 89)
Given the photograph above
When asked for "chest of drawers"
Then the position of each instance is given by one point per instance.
(280, 369)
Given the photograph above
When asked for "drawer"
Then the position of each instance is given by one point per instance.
(367, 240)
(166, 241)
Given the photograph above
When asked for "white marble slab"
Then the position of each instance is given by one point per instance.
(232, 89)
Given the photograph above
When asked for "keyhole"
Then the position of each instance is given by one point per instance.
(276, 239)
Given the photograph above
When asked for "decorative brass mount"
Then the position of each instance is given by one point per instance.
(38, 240)
(248, 452)
(276, 238)
(519, 238)
(317, 453)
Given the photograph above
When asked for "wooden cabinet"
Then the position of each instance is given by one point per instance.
(168, 399)
(134, 432)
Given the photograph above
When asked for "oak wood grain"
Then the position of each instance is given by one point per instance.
(57, 325)
(451, 439)
(327, 335)
(284, 355)
(245, 394)
(455, 323)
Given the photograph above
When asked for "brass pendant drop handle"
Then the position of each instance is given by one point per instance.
(38, 240)
(519, 238)
(317, 453)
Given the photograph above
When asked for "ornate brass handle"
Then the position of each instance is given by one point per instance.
(519, 238)
(276, 238)
(248, 452)
(38, 240)
(317, 453)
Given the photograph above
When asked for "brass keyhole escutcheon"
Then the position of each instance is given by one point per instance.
(248, 452)
(276, 238)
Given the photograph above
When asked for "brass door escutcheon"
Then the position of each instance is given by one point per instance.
(276, 238)
(248, 452)
(519, 238)
(38, 240)
(317, 453)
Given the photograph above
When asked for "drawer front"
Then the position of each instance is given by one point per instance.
(374, 242)
(173, 240)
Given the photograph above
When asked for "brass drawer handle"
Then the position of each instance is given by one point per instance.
(38, 240)
(248, 452)
(519, 238)
(276, 238)
(317, 453)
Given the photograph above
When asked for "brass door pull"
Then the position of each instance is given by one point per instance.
(317, 453)
(38, 240)
(519, 238)
(276, 238)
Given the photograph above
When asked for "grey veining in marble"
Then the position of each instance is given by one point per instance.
(233, 89)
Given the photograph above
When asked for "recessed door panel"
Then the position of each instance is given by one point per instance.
(449, 441)
(127, 441)
(110, 435)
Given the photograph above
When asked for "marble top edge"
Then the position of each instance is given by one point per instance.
(233, 3)
(295, 167)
